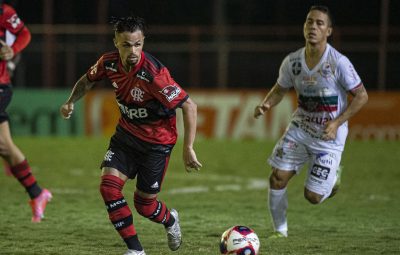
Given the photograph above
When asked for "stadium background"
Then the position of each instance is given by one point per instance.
(220, 48)
(227, 54)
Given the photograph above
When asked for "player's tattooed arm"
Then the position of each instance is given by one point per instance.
(82, 86)
(273, 98)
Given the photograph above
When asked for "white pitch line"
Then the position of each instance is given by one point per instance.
(67, 191)
(251, 184)
(187, 190)
(232, 187)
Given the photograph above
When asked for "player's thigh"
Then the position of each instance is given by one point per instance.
(120, 160)
(289, 154)
(321, 174)
(114, 172)
(5, 99)
(151, 172)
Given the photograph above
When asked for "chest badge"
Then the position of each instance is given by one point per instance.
(326, 70)
(137, 94)
(296, 68)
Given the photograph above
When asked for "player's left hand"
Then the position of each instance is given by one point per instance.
(6, 52)
(330, 130)
(190, 160)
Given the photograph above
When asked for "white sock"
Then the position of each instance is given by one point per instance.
(278, 204)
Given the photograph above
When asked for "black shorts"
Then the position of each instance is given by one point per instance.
(5, 99)
(134, 157)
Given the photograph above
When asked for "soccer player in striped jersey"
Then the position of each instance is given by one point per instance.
(322, 78)
(148, 98)
(15, 160)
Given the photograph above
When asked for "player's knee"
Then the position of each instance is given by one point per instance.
(111, 187)
(4, 150)
(312, 197)
(275, 182)
(144, 206)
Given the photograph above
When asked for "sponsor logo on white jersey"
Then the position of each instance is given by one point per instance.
(326, 70)
(309, 80)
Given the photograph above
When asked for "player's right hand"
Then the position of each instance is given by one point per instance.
(190, 160)
(66, 110)
(6, 52)
(260, 110)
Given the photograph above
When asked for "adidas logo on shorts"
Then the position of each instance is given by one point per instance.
(154, 186)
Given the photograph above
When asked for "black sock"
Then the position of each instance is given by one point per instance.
(34, 190)
(170, 222)
(133, 243)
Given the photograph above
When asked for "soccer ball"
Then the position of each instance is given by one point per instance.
(239, 240)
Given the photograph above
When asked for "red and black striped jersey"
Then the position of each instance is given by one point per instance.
(147, 96)
(9, 21)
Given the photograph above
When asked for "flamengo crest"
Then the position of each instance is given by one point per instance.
(137, 94)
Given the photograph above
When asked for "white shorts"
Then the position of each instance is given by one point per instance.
(297, 148)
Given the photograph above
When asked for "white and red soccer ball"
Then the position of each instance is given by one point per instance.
(239, 240)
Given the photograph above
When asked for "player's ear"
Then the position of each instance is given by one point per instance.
(330, 29)
(115, 42)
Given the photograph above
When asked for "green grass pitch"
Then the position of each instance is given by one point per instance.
(231, 189)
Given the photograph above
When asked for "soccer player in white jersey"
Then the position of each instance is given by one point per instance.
(322, 77)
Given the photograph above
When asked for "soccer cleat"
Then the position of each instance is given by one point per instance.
(277, 235)
(134, 252)
(174, 233)
(335, 188)
(38, 205)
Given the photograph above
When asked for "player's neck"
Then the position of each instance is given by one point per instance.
(315, 50)
(128, 67)
(313, 54)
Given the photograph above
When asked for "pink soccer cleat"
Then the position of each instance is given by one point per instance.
(39, 204)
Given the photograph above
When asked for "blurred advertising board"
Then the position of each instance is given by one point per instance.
(221, 115)
(36, 112)
(229, 115)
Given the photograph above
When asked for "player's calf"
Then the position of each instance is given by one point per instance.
(118, 211)
(152, 209)
(312, 197)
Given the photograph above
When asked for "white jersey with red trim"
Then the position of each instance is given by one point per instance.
(321, 92)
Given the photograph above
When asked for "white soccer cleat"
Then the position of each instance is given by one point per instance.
(134, 252)
(174, 233)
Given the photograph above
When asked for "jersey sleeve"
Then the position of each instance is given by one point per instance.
(10, 20)
(97, 72)
(284, 79)
(167, 91)
(347, 75)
